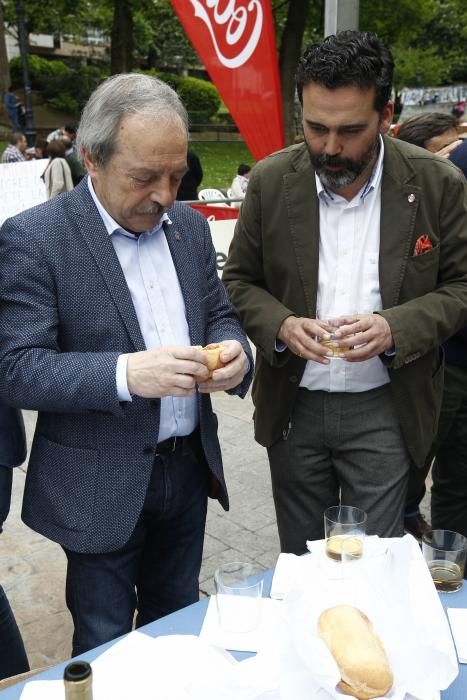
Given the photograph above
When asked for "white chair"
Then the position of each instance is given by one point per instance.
(212, 193)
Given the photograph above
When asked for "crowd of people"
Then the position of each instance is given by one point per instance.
(349, 236)
(63, 170)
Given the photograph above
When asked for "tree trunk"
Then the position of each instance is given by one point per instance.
(4, 66)
(121, 38)
(290, 51)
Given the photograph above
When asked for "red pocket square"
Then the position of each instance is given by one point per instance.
(422, 245)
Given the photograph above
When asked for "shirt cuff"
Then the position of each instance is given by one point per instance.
(122, 386)
(280, 346)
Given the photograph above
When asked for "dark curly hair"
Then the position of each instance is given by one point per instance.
(348, 58)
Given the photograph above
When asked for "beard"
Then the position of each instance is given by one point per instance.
(349, 169)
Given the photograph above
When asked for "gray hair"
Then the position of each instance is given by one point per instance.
(120, 96)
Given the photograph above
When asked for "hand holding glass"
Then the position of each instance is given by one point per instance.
(331, 342)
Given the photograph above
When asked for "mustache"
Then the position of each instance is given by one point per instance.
(334, 161)
(156, 208)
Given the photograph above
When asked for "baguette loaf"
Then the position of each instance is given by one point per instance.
(358, 652)
(212, 353)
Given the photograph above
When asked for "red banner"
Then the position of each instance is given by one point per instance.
(235, 41)
(212, 212)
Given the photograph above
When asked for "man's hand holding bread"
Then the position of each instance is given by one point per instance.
(227, 364)
(177, 370)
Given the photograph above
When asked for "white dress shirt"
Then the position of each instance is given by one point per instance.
(160, 308)
(348, 278)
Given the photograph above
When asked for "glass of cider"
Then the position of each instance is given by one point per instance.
(344, 524)
(445, 553)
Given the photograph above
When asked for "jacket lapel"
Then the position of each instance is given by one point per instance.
(98, 241)
(399, 205)
(303, 216)
(186, 273)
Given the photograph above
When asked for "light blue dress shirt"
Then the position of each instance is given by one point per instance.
(160, 308)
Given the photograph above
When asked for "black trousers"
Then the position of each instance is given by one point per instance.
(13, 659)
(449, 491)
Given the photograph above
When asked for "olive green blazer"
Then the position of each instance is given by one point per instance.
(272, 272)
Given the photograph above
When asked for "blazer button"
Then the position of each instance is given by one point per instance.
(293, 379)
(148, 450)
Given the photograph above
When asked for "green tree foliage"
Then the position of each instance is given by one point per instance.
(200, 97)
(45, 75)
(425, 37)
(428, 37)
(445, 33)
(161, 38)
(415, 66)
(62, 85)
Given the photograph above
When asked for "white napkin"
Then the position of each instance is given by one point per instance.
(43, 690)
(289, 572)
(176, 667)
(458, 621)
(399, 598)
(253, 641)
(294, 571)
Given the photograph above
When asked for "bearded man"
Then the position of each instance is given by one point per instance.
(356, 239)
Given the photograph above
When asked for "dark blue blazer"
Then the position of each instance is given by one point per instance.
(66, 316)
(12, 453)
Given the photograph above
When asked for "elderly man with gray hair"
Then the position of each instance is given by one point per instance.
(108, 292)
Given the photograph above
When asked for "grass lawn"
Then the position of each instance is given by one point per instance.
(219, 160)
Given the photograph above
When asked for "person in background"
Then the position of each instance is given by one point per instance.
(118, 290)
(355, 238)
(70, 131)
(449, 489)
(240, 183)
(434, 131)
(57, 174)
(12, 104)
(21, 117)
(40, 149)
(76, 167)
(192, 179)
(15, 152)
(13, 659)
(55, 134)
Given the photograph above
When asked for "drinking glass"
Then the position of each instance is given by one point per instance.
(239, 588)
(445, 553)
(344, 524)
(330, 343)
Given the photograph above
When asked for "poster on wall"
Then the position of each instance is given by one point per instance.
(21, 187)
(235, 40)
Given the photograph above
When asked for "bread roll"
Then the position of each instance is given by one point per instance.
(212, 353)
(357, 650)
